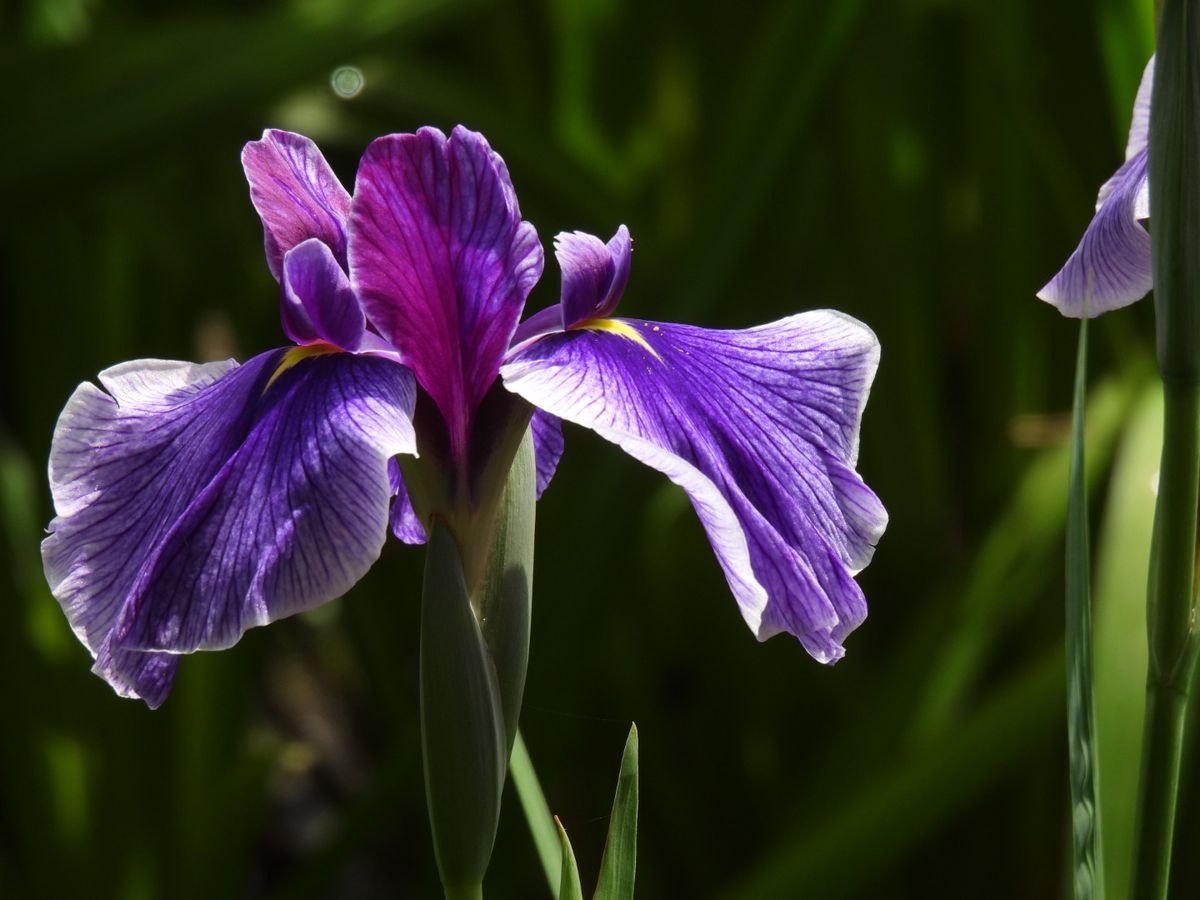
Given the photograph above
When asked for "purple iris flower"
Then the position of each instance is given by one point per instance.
(1111, 267)
(196, 501)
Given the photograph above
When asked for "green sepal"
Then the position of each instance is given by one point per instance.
(618, 867)
(569, 887)
(462, 725)
(505, 596)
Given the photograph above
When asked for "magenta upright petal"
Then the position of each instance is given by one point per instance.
(296, 194)
(760, 428)
(442, 261)
(194, 502)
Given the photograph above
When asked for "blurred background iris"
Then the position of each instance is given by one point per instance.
(924, 165)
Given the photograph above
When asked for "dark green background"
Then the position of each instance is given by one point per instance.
(923, 166)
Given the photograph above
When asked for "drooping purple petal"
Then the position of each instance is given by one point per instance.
(594, 274)
(318, 303)
(547, 447)
(1111, 267)
(405, 523)
(442, 261)
(195, 501)
(296, 194)
(760, 428)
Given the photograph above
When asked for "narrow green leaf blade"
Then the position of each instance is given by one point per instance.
(1087, 874)
(569, 887)
(536, 809)
(618, 868)
(1119, 673)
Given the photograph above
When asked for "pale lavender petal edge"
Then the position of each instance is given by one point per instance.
(1112, 266)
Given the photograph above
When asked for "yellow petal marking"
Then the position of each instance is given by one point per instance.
(298, 354)
(618, 327)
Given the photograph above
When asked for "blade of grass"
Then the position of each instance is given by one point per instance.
(1087, 874)
(569, 887)
(618, 867)
(1122, 560)
(537, 812)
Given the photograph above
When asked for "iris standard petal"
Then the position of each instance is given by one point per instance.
(318, 303)
(594, 274)
(1111, 267)
(296, 194)
(196, 501)
(442, 261)
(760, 428)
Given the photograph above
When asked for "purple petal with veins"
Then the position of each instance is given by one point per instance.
(760, 428)
(196, 501)
(1112, 266)
(297, 195)
(442, 262)
(594, 274)
(318, 303)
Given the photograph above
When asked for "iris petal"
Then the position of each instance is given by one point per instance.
(297, 195)
(594, 274)
(194, 502)
(318, 303)
(760, 428)
(442, 261)
(1111, 267)
(547, 447)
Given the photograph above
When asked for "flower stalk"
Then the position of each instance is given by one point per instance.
(474, 655)
(1174, 165)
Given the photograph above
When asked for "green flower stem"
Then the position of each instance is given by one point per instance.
(1175, 199)
(1172, 653)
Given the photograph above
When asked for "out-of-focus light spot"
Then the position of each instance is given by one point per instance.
(347, 81)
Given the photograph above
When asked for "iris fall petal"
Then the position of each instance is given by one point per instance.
(196, 501)
(760, 428)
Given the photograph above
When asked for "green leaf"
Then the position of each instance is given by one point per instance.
(1122, 560)
(569, 887)
(462, 725)
(1087, 873)
(537, 811)
(618, 868)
